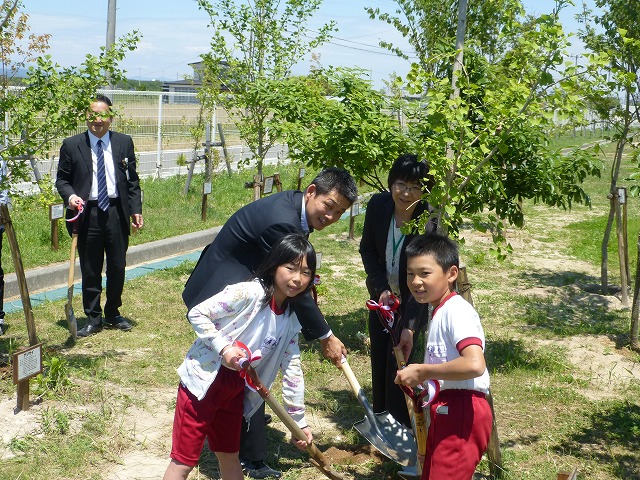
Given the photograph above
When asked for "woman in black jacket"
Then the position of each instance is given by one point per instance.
(382, 251)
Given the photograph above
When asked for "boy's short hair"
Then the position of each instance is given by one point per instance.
(442, 248)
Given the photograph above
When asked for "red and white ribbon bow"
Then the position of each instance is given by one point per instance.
(243, 361)
(385, 311)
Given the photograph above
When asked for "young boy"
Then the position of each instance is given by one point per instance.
(460, 416)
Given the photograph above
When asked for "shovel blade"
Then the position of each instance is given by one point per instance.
(71, 320)
(389, 437)
(409, 473)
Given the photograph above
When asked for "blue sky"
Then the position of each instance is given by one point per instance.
(175, 33)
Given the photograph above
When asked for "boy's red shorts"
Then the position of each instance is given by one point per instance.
(458, 436)
(217, 417)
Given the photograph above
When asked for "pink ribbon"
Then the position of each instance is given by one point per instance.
(80, 209)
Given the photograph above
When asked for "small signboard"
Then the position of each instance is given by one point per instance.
(206, 188)
(56, 211)
(27, 363)
(268, 185)
(301, 173)
(355, 209)
(318, 260)
(622, 196)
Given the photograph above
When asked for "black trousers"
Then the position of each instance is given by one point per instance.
(253, 442)
(102, 234)
(386, 394)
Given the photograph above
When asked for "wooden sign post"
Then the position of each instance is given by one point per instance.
(56, 212)
(5, 218)
(27, 363)
(300, 177)
(355, 211)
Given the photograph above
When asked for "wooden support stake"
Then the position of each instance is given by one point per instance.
(5, 218)
(277, 182)
(257, 186)
(224, 148)
(624, 282)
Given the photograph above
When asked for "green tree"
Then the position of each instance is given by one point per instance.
(253, 49)
(614, 35)
(341, 121)
(51, 100)
(487, 146)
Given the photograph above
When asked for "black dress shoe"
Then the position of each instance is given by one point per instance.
(118, 322)
(89, 330)
(258, 469)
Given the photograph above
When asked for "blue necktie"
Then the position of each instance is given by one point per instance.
(103, 195)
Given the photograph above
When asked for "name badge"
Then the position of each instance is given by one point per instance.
(442, 409)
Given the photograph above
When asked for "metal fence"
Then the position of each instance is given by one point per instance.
(167, 130)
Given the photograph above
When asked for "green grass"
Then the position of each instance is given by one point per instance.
(536, 306)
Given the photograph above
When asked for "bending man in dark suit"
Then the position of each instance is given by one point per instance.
(104, 227)
(243, 243)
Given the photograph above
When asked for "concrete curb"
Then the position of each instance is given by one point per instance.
(55, 276)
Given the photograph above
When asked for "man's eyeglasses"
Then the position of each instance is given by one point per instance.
(403, 187)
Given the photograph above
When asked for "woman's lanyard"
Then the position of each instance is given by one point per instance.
(397, 244)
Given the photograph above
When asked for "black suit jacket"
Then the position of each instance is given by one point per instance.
(373, 247)
(242, 243)
(75, 173)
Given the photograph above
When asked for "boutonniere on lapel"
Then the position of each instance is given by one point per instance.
(125, 164)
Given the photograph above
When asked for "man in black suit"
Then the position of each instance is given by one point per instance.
(97, 171)
(240, 246)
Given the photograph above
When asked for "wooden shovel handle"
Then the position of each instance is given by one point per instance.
(317, 458)
(416, 414)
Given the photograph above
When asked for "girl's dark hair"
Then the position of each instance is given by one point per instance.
(292, 248)
(407, 167)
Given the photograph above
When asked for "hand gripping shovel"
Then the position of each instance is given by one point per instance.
(383, 431)
(317, 459)
(68, 308)
(387, 316)
(419, 424)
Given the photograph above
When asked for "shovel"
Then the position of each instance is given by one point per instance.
(68, 308)
(383, 431)
(317, 459)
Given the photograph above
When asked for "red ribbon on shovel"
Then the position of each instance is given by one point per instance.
(250, 358)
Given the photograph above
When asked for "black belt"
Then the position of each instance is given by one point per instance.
(112, 201)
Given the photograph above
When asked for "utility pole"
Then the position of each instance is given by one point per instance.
(111, 30)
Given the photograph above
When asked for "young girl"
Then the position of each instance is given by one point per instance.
(212, 396)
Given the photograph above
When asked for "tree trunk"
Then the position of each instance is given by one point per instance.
(604, 281)
(635, 309)
(455, 91)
